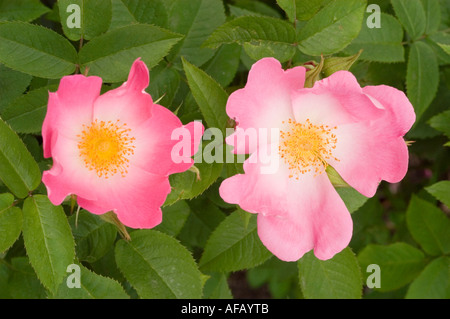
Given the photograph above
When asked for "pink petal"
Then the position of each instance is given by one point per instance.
(196, 130)
(154, 143)
(69, 108)
(370, 125)
(294, 216)
(69, 174)
(136, 199)
(129, 102)
(139, 77)
(369, 153)
(400, 111)
(265, 101)
(137, 193)
(320, 221)
(335, 100)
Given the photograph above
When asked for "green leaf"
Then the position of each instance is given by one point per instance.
(204, 217)
(224, 65)
(422, 128)
(121, 15)
(334, 64)
(441, 191)
(150, 12)
(10, 221)
(23, 283)
(332, 28)
(4, 277)
(369, 225)
(36, 50)
(21, 10)
(106, 266)
(165, 81)
(94, 18)
(213, 194)
(216, 287)
(236, 12)
(111, 55)
(174, 218)
(313, 75)
(260, 50)
(411, 15)
(376, 73)
(280, 276)
(92, 286)
(429, 226)
(441, 122)
(336, 278)
(26, 114)
(335, 178)
(445, 13)
(380, 44)
(93, 236)
(53, 15)
(234, 246)
(196, 19)
(352, 198)
(445, 47)
(261, 37)
(422, 77)
(186, 185)
(18, 170)
(34, 147)
(440, 42)
(433, 282)
(158, 266)
(235, 166)
(48, 240)
(253, 7)
(210, 96)
(299, 9)
(12, 85)
(432, 14)
(399, 264)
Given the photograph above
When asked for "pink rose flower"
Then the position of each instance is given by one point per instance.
(112, 150)
(358, 131)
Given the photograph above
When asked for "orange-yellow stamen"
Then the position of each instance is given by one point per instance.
(307, 147)
(106, 147)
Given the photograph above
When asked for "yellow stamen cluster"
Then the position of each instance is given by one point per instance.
(306, 147)
(105, 147)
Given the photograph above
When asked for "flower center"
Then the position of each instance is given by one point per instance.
(105, 147)
(305, 147)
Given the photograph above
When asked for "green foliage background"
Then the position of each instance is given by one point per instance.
(198, 52)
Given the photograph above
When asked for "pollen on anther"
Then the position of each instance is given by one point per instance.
(307, 147)
(105, 147)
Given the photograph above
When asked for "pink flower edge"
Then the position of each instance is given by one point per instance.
(136, 197)
(295, 216)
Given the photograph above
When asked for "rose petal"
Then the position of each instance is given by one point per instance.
(294, 216)
(154, 143)
(128, 103)
(69, 108)
(265, 101)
